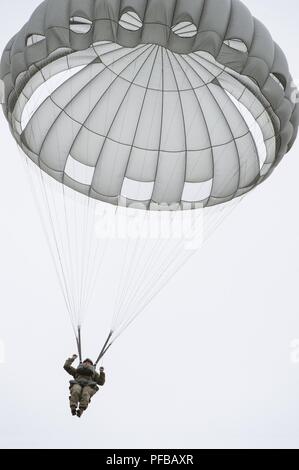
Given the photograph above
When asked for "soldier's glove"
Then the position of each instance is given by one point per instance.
(101, 369)
(74, 356)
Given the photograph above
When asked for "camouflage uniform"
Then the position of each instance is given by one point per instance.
(82, 388)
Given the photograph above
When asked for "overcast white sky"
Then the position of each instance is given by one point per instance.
(208, 364)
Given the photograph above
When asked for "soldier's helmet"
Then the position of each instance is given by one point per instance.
(89, 361)
(86, 368)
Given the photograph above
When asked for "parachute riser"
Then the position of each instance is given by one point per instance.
(78, 340)
(105, 348)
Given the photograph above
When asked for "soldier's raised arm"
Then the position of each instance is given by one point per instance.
(101, 377)
(68, 365)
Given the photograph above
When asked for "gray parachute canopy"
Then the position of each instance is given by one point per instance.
(156, 102)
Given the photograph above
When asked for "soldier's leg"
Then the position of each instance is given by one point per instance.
(75, 395)
(87, 394)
